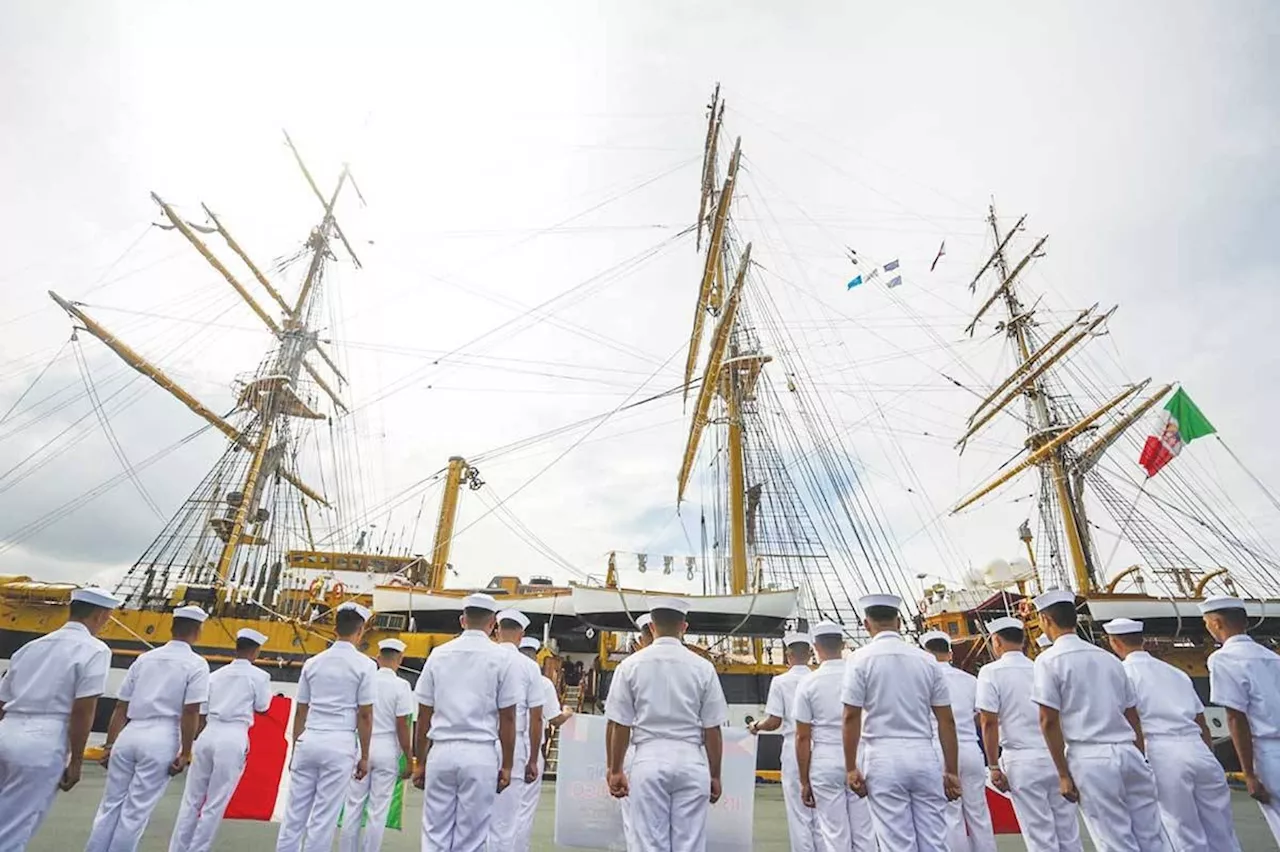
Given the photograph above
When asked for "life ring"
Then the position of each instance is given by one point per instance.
(338, 590)
(317, 586)
(1026, 609)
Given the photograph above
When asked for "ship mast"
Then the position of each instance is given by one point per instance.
(1050, 434)
(266, 404)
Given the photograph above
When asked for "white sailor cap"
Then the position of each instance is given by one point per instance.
(929, 636)
(363, 611)
(480, 600)
(826, 628)
(644, 621)
(892, 601)
(194, 613)
(530, 642)
(1007, 622)
(1122, 626)
(1043, 641)
(391, 645)
(1054, 596)
(1220, 602)
(797, 639)
(514, 615)
(677, 604)
(97, 597)
(252, 635)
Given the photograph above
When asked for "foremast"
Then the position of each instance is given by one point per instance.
(267, 404)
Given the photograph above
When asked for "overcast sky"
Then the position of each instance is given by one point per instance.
(511, 151)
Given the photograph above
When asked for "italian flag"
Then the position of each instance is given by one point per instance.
(1180, 423)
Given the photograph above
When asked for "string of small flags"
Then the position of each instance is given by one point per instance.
(892, 266)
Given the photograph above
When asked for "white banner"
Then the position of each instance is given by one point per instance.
(587, 817)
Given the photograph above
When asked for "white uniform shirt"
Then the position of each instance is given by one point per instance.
(897, 686)
(48, 674)
(164, 680)
(817, 702)
(530, 680)
(1088, 687)
(666, 692)
(465, 682)
(236, 692)
(1167, 702)
(1245, 676)
(550, 700)
(963, 689)
(1004, 688)
(392, 699)
(782, 694)
(334, 684)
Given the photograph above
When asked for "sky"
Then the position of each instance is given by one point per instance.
(512, 153)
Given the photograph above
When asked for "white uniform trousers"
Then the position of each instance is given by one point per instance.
(1117, 796)
(137, 776)
(670, 793)
(842, 820)
(217, 763)
(374, 792)
(904, 792)
(1049, 822)
(1266, 763)
(33, 753)
(528, 809)
(506, 807)
(1195, 802)
(801, 820)
(457, 803)
(969, 818)
(628, 824)
(321, 769)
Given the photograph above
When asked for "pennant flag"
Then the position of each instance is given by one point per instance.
(890, 266)
(942, 249)
(894, 281)
(857, 279)
(1180, 424)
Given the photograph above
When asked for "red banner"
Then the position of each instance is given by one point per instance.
(255, 796)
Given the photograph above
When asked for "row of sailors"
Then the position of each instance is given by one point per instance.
(881, 750)
(351, 733)
(1067, 728)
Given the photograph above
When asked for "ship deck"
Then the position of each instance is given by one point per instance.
(68, 824)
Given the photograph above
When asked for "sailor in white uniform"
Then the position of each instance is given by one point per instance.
(390, 754)
(669, 701)
(47, 703)
(1011, 730)
(151, 733)
(332, 730)
(553, 717)
(894, 694)
(1244, 677)
(504, 825)
(1089, 718)
(968, 818)
(236, 692)
(644, 624)
(778, 706)
(842, 821)
(1195, 802)
(465, 741)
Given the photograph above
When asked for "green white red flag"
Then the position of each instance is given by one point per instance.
(1179, 424)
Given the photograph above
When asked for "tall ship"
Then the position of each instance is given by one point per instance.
(784, 519)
